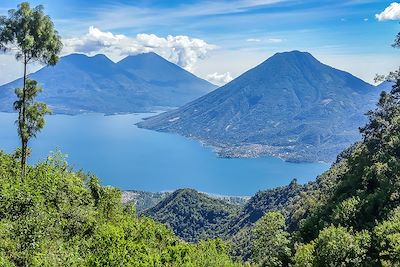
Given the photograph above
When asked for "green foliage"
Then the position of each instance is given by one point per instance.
(304, 256)
(35, 111)
(193, 216)
(276, 199)
(271, 241)
(57, 217)
(285, 199)
(334, 247)
(146, 200)
(31, 33)
(346, 212)
(33, 121)
(241, 244)
(212, 251)
(337, 246)
(387, 235)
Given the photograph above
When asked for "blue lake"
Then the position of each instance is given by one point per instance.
(122, 155)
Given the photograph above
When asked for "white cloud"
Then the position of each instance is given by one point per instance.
(118, 14)
(93, 41)
(392, 12)
(253, 40)
(182, 50)
(265, 40)
(219, 79)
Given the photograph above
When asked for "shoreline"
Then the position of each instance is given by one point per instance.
(248, 151)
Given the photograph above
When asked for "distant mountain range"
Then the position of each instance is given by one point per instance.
(140, 83)
(291, 106)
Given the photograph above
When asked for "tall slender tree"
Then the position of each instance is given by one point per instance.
(30, 34)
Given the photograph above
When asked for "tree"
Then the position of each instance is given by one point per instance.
(387, 235)
(346, 212)
(33, 120)
(271, 241)
(337, 246)
(304, 256)
(31, 35)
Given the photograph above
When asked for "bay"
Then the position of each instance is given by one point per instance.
(128, 157)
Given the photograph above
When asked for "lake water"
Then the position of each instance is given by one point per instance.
(122, 155)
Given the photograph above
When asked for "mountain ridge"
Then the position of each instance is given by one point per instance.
(79, 83)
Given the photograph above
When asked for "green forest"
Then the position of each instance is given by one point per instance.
(52, 215)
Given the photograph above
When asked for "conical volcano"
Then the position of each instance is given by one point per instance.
(291, 106)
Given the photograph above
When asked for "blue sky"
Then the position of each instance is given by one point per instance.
(236, 35)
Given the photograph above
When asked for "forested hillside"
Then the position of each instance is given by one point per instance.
(57, 217)
(194, 216)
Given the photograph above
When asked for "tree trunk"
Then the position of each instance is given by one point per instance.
(22, 116)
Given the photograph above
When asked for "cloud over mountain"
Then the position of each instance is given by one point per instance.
(219, 79)
(182, 50)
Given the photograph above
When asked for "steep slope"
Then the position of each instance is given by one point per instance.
(291, 106)
(192, 215)
(294, 201)
(143, 200)
(277, 199)
(79, 83)
(181, 85)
